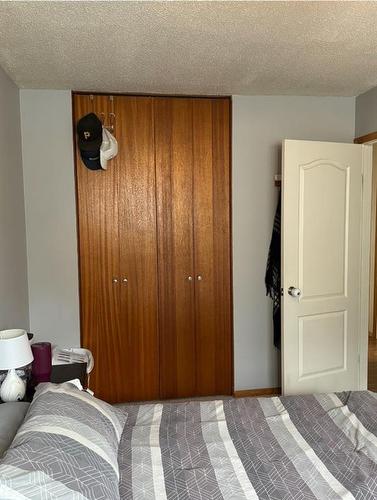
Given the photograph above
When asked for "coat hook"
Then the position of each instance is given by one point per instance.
(111, 127)
(112, 115)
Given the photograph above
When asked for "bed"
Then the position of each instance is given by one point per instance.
(299, 447)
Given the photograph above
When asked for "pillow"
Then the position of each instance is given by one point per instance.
(11, 417)
(67, 447)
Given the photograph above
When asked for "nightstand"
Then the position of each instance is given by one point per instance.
(60, 374)
(63, 373)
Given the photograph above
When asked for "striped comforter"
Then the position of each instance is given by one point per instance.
(301, 447)
(66, 448)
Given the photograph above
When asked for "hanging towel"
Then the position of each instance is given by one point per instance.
(272, 278)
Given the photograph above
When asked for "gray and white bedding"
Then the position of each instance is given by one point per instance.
(301, 447)
(74, 446)
(67, 448)
(11, 417)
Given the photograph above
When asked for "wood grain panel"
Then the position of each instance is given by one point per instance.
(98, 230)
(212, 246)
(138, 248)
(174, 174)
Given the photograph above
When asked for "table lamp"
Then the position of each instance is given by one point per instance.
(15, 352)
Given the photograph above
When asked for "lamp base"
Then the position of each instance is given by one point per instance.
(13, 388)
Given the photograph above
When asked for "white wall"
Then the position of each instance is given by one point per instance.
(50, 215)
(259, 125)
(366, 113)
(14, 311)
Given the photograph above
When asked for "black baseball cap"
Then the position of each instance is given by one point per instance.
(89, 131)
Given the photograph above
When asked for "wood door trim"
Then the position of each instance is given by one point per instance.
(231, 241)
(363, 139)
(149, 94)
(252, 393)
(374, 333)
(374, 221)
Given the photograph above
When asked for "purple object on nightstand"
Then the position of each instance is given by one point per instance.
(42, 365)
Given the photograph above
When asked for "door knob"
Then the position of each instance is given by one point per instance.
(115, 280)
(125, 281)
(189, 278)
(199, 278)
(294, 292)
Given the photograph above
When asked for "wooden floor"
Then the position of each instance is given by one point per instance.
(372, 365)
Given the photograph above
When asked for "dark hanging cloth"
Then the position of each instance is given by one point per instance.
(272, 278)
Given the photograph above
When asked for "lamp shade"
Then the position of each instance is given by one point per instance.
(15, 351)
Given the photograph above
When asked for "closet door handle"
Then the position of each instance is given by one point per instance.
(199, 277)
(125, 281)
(115, 280)
(189, 278)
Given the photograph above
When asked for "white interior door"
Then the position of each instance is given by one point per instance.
(325, 259)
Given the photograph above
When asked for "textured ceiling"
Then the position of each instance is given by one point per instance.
(298, 48)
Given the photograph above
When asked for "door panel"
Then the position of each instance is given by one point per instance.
(117, 239)
(322, 233)
(329, 183)
(174, 174)
(212, 246)
(98, 231)
(322, 344)
(138, 248)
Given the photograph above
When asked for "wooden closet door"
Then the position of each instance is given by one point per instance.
(174, 174)
(212, 246)
(138, 248)
(158, 216)
(98, 231)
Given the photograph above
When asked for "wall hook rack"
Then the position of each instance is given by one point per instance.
(107, 121)
(110, 123)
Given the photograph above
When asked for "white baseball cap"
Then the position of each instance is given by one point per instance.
(109, 147)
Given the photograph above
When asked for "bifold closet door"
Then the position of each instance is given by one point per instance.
(98, 228)
(193, 200)
(212, 252)
(174, 175)
(154, 249)
(138, 247)
(118, 254)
